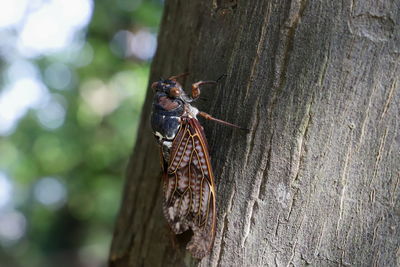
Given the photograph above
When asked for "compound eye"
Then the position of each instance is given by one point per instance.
(174, 92)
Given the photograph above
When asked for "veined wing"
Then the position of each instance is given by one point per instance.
(189, 190)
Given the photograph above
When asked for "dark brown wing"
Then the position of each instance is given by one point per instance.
(189, 190)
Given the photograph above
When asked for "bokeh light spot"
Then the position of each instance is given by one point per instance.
(22, 69)
(5, 190)
(17, 99)
(141, 44)
(12, 227)
(52, 114)
(83, 55)
(12, 12)
(53, 26)
(58, 76)
(100, 98)
(50, 192)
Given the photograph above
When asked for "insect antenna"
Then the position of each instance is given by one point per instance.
(221, 77)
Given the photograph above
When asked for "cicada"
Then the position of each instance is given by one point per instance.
(188, 179)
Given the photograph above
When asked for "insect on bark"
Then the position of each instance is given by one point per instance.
(188, 179)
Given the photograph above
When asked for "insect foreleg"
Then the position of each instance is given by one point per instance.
(196, 88)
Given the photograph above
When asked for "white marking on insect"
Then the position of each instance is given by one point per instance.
(192, 111)
(168, 144)
(170, 137)
(159, 136)
(183, 182)
(171, 212)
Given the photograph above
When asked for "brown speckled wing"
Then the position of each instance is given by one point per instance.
(189, 190)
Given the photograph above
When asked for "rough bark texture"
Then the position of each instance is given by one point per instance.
(317, 180)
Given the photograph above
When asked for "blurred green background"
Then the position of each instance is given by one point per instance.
(73, 80)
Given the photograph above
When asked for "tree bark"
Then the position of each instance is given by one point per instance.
(317, 179)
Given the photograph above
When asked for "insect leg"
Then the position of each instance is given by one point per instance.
(196, 88)
(211, 118)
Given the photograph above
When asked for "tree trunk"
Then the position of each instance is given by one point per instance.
(317, 179)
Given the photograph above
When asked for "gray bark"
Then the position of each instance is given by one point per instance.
(317, 179)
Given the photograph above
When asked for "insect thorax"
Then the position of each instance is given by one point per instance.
(165, 125)
(166, 120)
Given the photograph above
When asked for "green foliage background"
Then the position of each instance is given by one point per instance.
(88, 153)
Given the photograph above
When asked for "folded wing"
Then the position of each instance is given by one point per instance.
(189, 191)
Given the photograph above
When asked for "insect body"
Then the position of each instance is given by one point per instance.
(188, 181)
